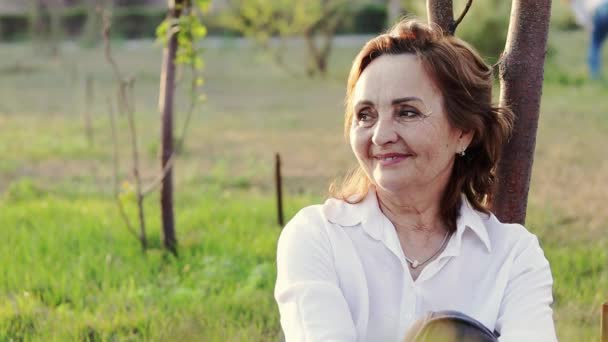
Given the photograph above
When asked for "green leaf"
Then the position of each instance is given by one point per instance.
(199, 31)
(198, 63)
(203, 5)
(161, 31)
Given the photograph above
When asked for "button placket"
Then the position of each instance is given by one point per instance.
(408, 302)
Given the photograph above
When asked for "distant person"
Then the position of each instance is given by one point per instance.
(593, 16)
(407, 242)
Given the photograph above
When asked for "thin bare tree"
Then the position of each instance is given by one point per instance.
(521, 75)
(125, 104)
(125, 107)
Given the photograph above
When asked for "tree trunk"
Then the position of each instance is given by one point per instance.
(521, 80)
(441, 12)
(317, 60)
(167, 91)
(93, 25)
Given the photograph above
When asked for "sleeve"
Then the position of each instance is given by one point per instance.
(525, 313)
(311, 303)
(582, 16)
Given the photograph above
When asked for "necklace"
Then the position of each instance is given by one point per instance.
(415, 263)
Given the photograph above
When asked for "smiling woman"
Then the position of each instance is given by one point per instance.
(400, 133)
(409, 233)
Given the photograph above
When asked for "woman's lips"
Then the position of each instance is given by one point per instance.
(388, 159)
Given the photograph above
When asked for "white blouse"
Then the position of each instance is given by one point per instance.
(342, 276)
(584, 10)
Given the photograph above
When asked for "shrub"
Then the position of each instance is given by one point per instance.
(128, 22)
(23, 189)
(13, 27)
(369, 18)
(137, 22)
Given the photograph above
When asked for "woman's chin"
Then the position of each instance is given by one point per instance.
(390, 184)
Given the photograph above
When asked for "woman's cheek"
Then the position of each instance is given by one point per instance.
(359, 142)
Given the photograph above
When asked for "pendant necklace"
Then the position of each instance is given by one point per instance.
(415, 263)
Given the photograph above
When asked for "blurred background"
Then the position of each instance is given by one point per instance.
(265, 77)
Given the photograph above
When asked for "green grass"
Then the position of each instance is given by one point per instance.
(71, 270)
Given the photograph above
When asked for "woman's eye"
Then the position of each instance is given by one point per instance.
(408, 113)
(364, 116)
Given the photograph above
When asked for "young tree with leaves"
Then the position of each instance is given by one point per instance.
(179, 31)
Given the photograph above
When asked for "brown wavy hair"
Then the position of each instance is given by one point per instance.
(465, 83)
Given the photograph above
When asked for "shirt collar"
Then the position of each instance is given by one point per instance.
(471, 219)
(368, 214)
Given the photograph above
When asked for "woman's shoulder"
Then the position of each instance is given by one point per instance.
(332, 211)
(311, 234)
(511, 237)
(317, 221)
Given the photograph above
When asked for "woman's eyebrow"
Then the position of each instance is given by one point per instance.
(364, 103)
(406, 99)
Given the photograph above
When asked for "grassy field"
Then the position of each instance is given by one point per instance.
(71, 271)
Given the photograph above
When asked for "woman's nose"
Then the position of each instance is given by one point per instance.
(384, 132)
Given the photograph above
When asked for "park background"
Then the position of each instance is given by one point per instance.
(71, 270)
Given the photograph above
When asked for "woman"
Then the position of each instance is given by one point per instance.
(410, 232)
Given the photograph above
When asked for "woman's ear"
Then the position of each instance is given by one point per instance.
(464, 140)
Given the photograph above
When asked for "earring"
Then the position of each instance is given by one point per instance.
(462, 153)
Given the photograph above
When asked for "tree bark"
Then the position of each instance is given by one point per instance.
(166, 96)
(441, 12)
(521, 80)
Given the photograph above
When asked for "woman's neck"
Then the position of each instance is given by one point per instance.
(415, 218)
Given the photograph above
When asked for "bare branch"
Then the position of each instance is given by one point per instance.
(128, 96)
(277, 54)
(159, 179)
(462, 15)
(107, 23)
(121, 208)
(126, 106)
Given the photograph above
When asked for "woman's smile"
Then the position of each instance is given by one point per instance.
(390, 159)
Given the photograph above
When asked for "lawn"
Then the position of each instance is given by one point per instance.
(72, 271)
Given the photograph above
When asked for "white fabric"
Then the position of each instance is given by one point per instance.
(583, 11)
(342, 276)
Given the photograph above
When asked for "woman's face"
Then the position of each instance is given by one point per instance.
(400, 133)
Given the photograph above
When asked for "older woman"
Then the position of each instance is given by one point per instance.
(410, 231)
